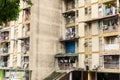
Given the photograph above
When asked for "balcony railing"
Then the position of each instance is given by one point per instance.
(112, 65)
(111, 47)
(110, 29)
(70, 20)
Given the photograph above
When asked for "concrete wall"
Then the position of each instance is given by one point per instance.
(95, 28)
(45, 34)
(95, 44)
(94, 10)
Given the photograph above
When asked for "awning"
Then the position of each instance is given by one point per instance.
(66, 55)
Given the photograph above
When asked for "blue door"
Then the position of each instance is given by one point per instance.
(70, 47)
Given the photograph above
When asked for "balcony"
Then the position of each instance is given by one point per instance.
(4, 49)
(3, 64)
(70, 20)
(108, 29)
(67, 61)
(111, 61)
(25, 46)
(71, 34)
(112, 65)
(107, 9)
(108, 25)
(111, 47)
(26, 15)
(4, 61)
(5, 36)
(26, 30)
(70, 4)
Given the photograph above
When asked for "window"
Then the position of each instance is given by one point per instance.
(89, 10)
(86, 10)
(70, 32)
(90, 28)
(77, 13)
(100, 25)
(90, 44)
(100, 43)
(100, 7)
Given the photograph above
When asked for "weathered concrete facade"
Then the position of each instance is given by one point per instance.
(45, 34)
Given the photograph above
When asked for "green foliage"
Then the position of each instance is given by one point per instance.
(9, 10)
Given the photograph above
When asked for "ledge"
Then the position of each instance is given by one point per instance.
(70, 39)
(95, 19)
(66, 55)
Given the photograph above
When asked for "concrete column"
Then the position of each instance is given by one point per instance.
(11, 50)
(19, 49)
(12, 33)
(118, 5)
(56, 64)
(96, 76)
(20, 31)
(82, 75)
(70, 75)
(89, 77)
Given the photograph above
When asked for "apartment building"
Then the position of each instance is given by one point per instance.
(90, 36)
(15, 46)
(78, 37)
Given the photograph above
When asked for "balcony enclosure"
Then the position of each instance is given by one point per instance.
(26, 30)
(69, 17)
(107, 9)
(66, 61)
(108, 25)
(26, 14)
(25, 62)
(111, 43)
(69, 4)
(4, 35)
(70, 33)
(111, 61)
(25, 46)
(5, 47)
(4, 61)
